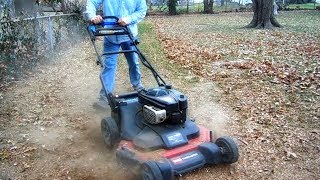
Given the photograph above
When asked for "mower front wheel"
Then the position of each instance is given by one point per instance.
(150, 171)
(229, 149)
(110, 132)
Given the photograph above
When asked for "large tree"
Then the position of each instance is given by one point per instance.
(172, 5)
(263, 16)
(208, 6)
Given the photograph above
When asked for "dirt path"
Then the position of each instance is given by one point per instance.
(50, 131)
(53, 132)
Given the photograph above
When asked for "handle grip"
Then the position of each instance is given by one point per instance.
(102, 29)
(111, 17)
(107, 23)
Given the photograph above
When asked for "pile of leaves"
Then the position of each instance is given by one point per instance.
(271, 55)
(188, 55)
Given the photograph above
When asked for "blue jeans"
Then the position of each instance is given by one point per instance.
(110, 66)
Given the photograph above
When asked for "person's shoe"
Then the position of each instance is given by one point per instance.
(101, 105)
(138, 88)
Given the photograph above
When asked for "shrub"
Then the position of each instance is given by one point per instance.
(18, 45)
(24, 42)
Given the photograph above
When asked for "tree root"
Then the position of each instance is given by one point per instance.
(264, 25)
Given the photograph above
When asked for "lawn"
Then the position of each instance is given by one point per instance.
(306, 6)
(195, 8)
(268, 79)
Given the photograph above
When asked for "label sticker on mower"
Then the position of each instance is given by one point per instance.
(110, 31)
(175, 138)
(181, 159)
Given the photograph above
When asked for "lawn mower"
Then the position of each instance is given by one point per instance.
(150, 129)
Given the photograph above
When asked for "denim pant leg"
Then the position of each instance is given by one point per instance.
(108, 71)
(133, 63)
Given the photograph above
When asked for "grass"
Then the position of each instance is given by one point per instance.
(198, 8)
(149, 39)
(307, 6)
(303, 22)
(181, 9)
(154, 52)
(289, 45)
(227, 34)
(262, 101)
(195, 8)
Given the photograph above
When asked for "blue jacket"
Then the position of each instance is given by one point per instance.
(131, 11)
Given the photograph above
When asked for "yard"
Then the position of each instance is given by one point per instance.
(259, 86)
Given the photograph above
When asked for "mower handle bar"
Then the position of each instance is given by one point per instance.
(107, 23)
(119, 30)
(118, 52)
(94, 29)
(110, 17)
(103, 23)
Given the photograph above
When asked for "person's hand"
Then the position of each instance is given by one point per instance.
(96, 20)
(121, 22)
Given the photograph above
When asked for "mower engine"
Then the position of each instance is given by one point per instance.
(163, 105)
(153, 115)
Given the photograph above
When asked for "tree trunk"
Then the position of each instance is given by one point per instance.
(172, 7)
(263, 15)
(187, 6)
(205, 6)
(211, 6)
(208, 5)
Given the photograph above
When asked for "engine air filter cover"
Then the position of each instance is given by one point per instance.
(172, 101)
(153, 115)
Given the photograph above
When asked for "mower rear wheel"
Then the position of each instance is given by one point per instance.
(150, 171)
(229, 149)
(110, 132)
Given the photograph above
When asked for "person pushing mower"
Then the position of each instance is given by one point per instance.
(129, 13)
(149, 129)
